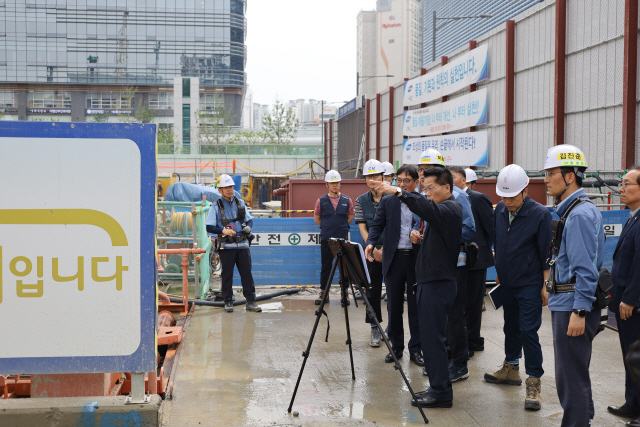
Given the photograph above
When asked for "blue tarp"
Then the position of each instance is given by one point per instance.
(186, 192)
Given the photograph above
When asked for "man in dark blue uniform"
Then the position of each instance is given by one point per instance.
(398, 265)
(366, 207)
(522, 238)
(476, 283)
(333, 214)
(229, 219)
(436, 276)
(626, 291)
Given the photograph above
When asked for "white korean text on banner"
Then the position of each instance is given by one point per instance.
(459, 149)
(463, 112)
(459, 74)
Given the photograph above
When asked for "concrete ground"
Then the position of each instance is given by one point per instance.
(240, 369)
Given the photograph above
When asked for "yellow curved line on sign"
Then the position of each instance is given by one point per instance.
(66, 216)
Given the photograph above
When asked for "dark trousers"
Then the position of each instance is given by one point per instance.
(629, 332)
(326, 256)
(476, 288)
(573, 356)
(375, 290)
(457, 321)
(434, 300)
(522, 319)
(402, 271)
(242, 259)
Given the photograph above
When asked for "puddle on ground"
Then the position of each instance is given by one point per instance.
(272, 307)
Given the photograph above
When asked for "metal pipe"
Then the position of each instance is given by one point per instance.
(510, 93)
(560, 71)
(629, 83)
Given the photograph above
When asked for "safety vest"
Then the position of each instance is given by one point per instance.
(368, 212)
(333, 222)
(240, 236)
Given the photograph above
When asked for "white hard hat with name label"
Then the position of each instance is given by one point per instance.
(332, 176)
(511, 181)
(388, 168)
(431, 157)
(372, 167)
(225, 181)
(566, 155)
(470, 174)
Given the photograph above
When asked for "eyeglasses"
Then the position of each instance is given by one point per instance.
(626, 184)
(406, 181)
(432, 189)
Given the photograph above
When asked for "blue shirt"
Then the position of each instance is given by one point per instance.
(581, 255)
(406, 222)
(214, 221)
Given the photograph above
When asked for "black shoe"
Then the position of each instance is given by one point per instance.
(634, 423)
(476, 348)
(422, 393)
(416, 358)
(427, 401)
(252, 306)
(389, 357)
(228, 306)
(622, 411)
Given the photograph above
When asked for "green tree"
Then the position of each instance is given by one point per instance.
(166, 141)
(101, 117)
(280, 125)
(247, 137)
(144, 114)
(128, 93)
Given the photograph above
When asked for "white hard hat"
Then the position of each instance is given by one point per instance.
(388, 168)
(332, 176)
(470, 174)
(565, 156)
(372, 167)
(225, 181)
(511, 181)
(431, 157)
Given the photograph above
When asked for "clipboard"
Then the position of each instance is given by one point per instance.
(497, 296)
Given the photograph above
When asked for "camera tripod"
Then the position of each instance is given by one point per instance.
(348, 276)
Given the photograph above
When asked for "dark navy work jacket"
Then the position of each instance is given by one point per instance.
(438, 256)
(387, 220)
(482, 209)
(369, 212)
(333, 222)
(522, 248)
(626, 267)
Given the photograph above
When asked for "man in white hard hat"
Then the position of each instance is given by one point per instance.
(457, 325)
(522, 236)
(230, 220)
(365, 210)
(575, 268)
(333, 213)
(388, 172)
(470, 178)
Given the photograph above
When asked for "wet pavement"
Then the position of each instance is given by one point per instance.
(240, 369)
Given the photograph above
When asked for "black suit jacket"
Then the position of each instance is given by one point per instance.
(626, 267)
(482, 209)
(387, 219)
(438, 256)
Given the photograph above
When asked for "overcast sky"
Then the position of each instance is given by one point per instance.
(302, 49)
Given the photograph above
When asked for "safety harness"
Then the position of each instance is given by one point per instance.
(240, 236)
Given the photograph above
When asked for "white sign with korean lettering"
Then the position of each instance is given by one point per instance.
(613, 230)
(458, 149)
(70, 251)
(459, 113)
(470, 68)
(287, 239)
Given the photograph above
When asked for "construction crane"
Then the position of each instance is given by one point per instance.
(121, 48)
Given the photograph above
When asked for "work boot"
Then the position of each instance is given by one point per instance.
(508, 374)
(252, 306)
(319, 299)
(533, 400)
(375, 337)
(228, 306)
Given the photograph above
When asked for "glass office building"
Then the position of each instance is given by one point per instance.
(54, 48)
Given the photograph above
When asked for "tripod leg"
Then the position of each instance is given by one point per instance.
(375, 318)
(345, 298)
(319, 311)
